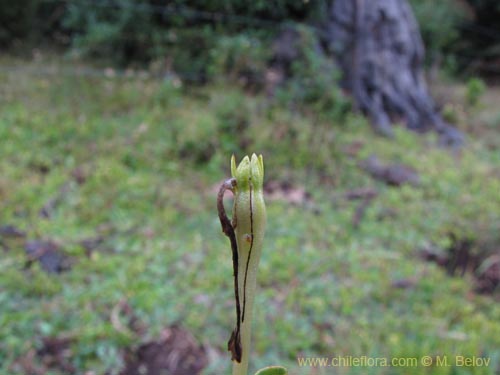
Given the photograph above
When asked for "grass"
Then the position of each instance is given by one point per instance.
(135, 163)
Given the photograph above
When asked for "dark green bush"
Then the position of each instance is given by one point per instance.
(35, 21)
(198, 40)
(438, 21)
(185, 32)
(479, 46)
(14, 20)
(121, 30)
(313, 82)
(241, 57)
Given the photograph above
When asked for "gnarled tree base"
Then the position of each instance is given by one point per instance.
(380, 51)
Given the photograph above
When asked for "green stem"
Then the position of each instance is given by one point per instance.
(249, 217)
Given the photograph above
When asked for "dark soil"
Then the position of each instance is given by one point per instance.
(488, 278)
(48, 254)
(56, 354)
(11, 231)
(53, 354)
(391, 174)
(175, 353)
(462, 258)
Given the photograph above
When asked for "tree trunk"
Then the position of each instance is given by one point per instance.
(380, 51)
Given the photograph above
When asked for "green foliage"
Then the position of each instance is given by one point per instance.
(449, 114)
(29, 23)
(438, 23)
(479, 37)
(463, 35)
(475, 89)
(326, 287)
(313, 85)
(241, 58)
(186, 34)
(14, 20)
(21, 21)
(198, 40)
(275, 11)
(120, 30)
(233, 115)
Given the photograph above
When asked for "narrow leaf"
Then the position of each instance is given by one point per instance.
(272, 370)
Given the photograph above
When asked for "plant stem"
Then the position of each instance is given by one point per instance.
(249, 213)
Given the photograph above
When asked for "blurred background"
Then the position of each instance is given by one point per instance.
(118, 119)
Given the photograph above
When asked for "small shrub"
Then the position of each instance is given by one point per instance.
(475, 89)
(313, 84)
(241, 57)
(438, 23)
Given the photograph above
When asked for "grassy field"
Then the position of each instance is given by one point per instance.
(117, 176)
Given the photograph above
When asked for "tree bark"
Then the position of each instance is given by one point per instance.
(380, 51)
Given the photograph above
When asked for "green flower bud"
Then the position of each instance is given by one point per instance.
(248, 170)
(247, 229)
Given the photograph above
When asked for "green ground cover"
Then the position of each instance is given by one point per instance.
(134, 164)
